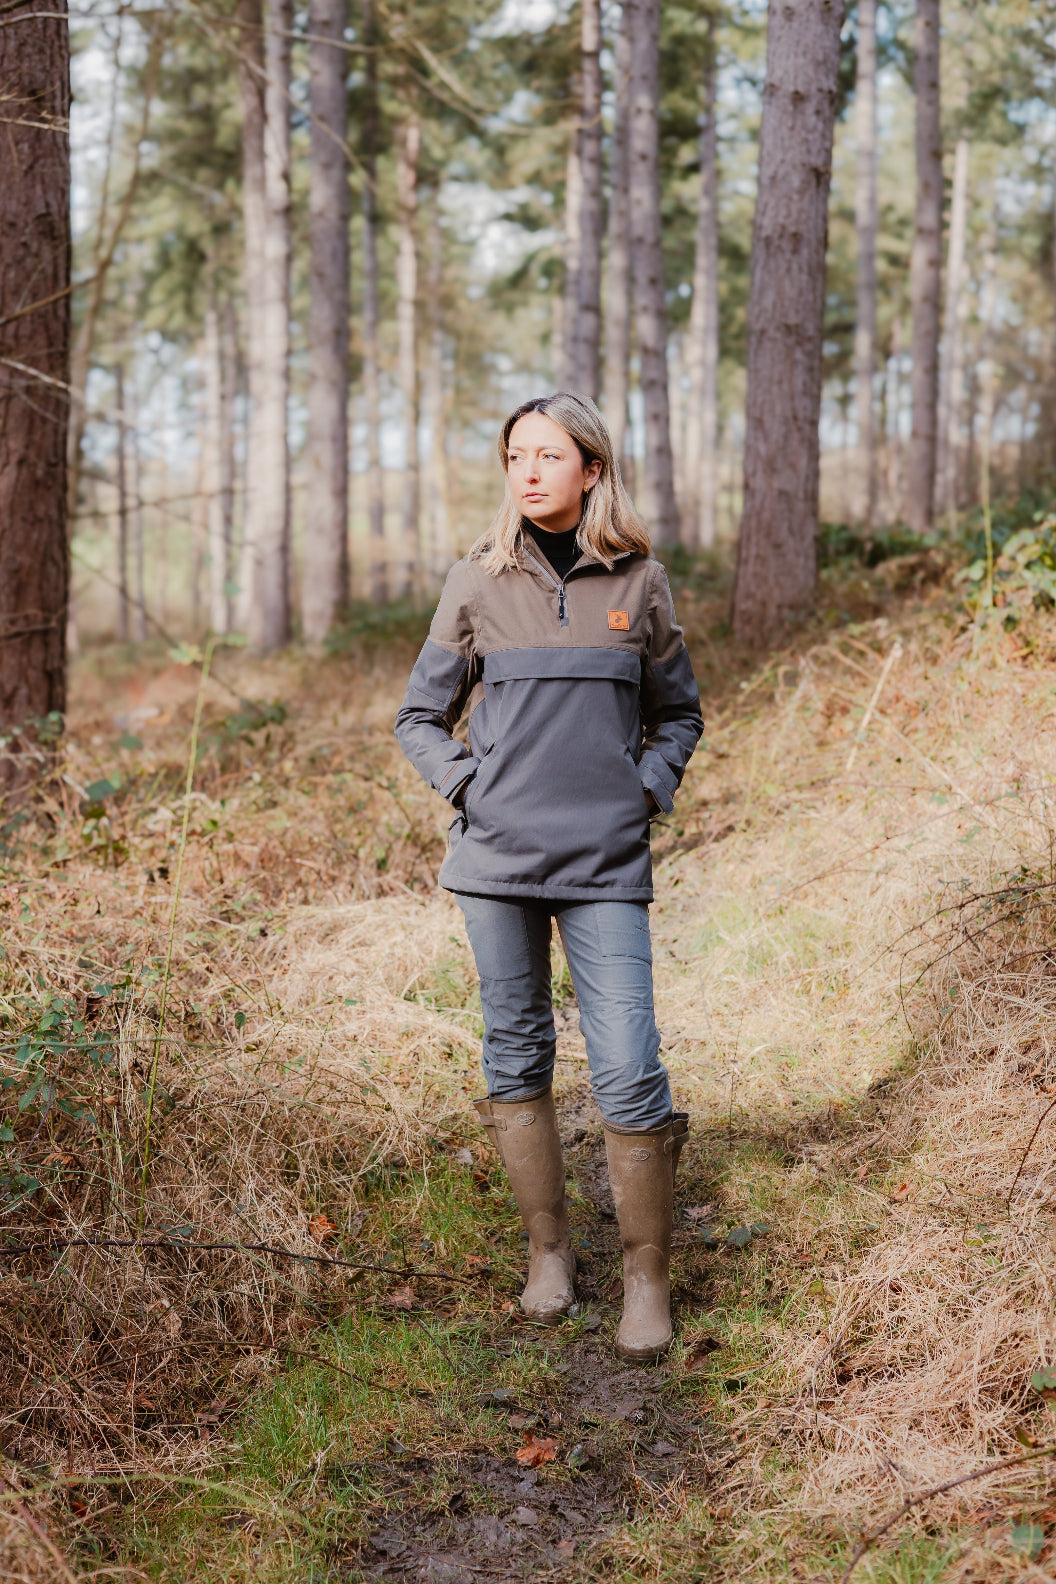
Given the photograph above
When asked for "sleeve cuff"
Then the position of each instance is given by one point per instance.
(652, 783)
(461, 771)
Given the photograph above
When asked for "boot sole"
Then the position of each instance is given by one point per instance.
(644, 1355)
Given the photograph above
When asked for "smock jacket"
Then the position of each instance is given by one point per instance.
(581, 697)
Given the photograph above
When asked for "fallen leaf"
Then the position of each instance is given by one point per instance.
(863, 1172)
(699, 1350)
(1029, 1539)
(699, 1212)
(901, 1192)
(740, 1237)
(525, 1515)
(565, 1548)
(478, 1262)
(536, 1451)
(321, 1227)
(508, 1308)
(403, 1298)
(464, 1157)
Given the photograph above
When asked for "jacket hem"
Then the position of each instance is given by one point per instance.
(542, 891)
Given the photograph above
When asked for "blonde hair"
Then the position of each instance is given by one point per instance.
(609, 523)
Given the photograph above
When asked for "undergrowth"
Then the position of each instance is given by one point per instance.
(271, 1333)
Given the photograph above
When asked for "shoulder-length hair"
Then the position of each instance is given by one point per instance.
(609, 524)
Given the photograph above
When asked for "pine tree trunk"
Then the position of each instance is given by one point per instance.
(254, 225)
(926, 267)
(124, 630)
(565, 350)
(776, 557)
(408, 139)
(951, 390)
(439, 552)
(894, 429)
(266, 594)
(216, 428)
(584, 337)
(700, 467)
(647, 265)
(618, 281)
(378, 556)
(866, 226)
(34, 267)
(324, 594)
(139, 598)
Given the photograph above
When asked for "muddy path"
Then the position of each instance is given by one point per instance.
(614, 1440)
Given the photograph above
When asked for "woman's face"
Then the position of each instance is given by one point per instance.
(546, 473)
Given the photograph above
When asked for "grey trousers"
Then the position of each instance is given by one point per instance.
(611, 962)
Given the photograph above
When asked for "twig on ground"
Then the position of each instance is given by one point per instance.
(937, 1490)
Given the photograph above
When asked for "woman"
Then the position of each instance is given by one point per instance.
(558, 631)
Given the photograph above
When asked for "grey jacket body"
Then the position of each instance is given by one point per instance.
(581, 698)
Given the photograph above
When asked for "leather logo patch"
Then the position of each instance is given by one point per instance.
(525, 1118)
(619, 621)
(641, 1154)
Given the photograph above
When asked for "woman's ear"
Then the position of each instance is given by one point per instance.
(591, 475)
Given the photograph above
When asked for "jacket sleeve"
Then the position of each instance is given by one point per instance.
(439, 685)
(670, 704)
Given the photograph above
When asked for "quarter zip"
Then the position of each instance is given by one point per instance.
(562, 601)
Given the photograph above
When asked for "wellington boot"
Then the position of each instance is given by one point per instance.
(525, 1134)
(642, 1178)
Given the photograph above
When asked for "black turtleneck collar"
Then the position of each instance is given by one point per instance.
(560, 549)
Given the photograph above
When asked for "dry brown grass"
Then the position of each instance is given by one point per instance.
(320, 1018)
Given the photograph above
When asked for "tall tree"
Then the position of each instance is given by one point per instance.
(618, 282)
(218, 462)
(865, 218)
(925, 270)
(700, 494)
(439, 553)
(34, 361)
(776, 558)
(325, 580)
(378, 576)
(124, 625)
(408, 144)
(564, 349)
(266, 589)
(582, 335)
(647, 266)
(951, 385)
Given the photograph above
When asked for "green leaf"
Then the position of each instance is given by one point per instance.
(1044, 1380)
(98, 790)
(1023, 1436)
(740, 1237)
(240, 1020)
(7, 1135)
(760, 1228)
(1028, 1539)
(127, 740)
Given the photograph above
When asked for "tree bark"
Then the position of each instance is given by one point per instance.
(926, 267)
(700, 467)
(439, 553)
(647, 264)
(865, 216)
(584, 334)
(139, 597)
(618, 283)
(378, 558)
(951, 390)
(266, 594)
(325, 587)
(34, 414)
(776, 557)
(408, 142)
(565, 351)
(218, 467)
(124, 630)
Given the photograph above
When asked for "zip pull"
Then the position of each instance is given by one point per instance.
(562, 606)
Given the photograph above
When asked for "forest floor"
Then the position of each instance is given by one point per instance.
(259, 1271)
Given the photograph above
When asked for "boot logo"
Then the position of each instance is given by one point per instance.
(641, 1154)
(525, 1118)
